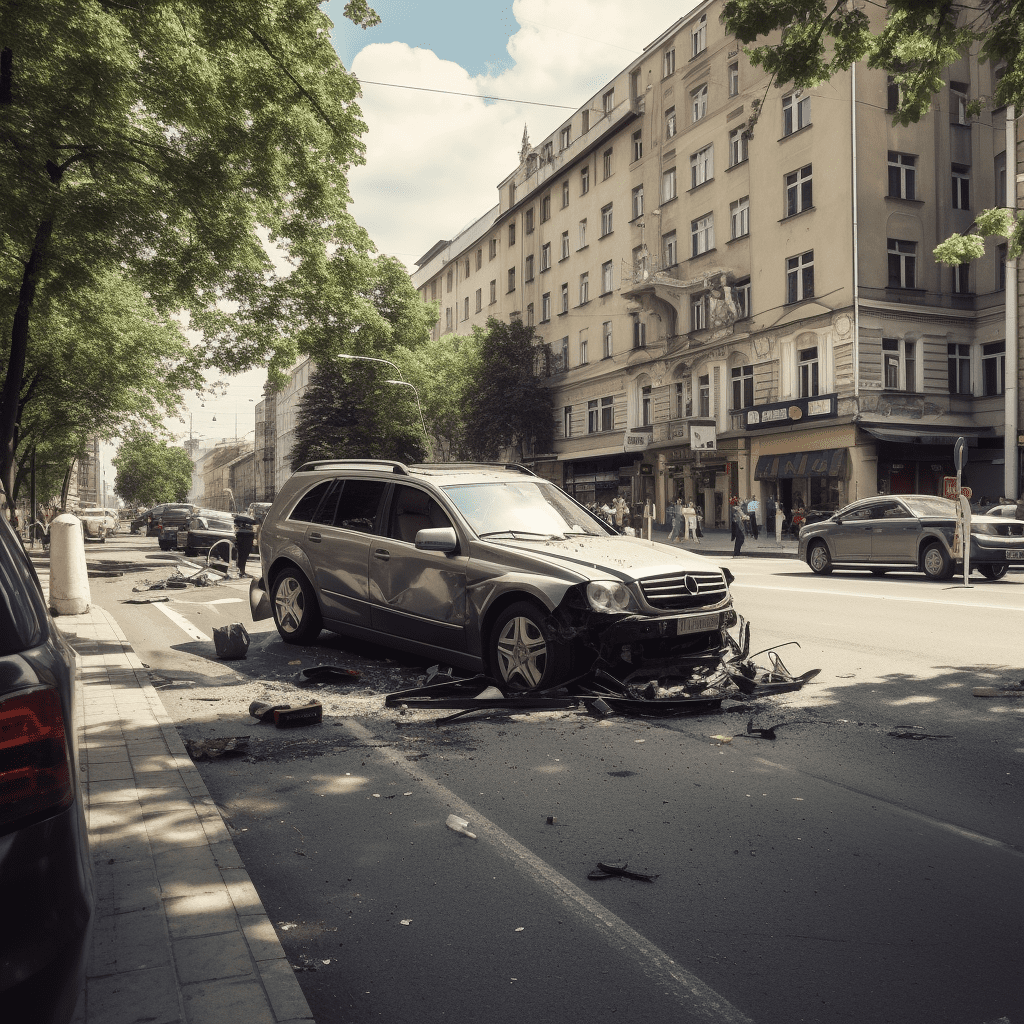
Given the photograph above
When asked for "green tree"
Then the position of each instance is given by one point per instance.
(151, 471)
(916, 43)
(510, 406)
(180, 142)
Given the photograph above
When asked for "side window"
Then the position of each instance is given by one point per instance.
(894, 510)
(860, 515)
(359, 504)
(884, 510)
(324, 515)
(307, 505)
(413, 510)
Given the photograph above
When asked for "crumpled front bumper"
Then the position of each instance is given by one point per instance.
(259, 600)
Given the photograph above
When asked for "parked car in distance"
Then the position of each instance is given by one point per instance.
(140, 522)
(1008, 511)
(203, 529)
(485, 567)
(153, 520)
(45, 869)
(909, 531)
(98, 523)
(172, 518)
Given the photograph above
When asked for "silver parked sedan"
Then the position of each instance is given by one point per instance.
(910, 531)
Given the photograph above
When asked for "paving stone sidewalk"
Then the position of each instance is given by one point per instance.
(180, 933)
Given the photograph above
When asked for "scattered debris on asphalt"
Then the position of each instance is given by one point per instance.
(144, 600)
(604, 870)
(318, 675)
(909, 732)
(231, 641)
(285, 716)
(200, 576)
(210, 750)
(460, 825)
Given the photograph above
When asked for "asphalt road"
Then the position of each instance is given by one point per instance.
(863, 866)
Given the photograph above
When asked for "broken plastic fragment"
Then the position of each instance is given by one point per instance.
(407, 921)
(722, 739)
(460, 825)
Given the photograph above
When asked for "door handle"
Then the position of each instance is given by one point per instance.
(382, 554)
(315, 537)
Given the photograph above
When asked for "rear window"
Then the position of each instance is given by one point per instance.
(22, 612)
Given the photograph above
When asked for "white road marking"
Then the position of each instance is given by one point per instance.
(180, 620)
(698, 999)
(949, 602)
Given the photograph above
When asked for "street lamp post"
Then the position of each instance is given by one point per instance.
(405, 383)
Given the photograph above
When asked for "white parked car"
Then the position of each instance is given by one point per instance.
(98, 523)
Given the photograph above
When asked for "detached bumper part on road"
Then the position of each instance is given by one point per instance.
(259, 600)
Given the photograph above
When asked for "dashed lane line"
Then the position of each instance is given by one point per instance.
(951, 602)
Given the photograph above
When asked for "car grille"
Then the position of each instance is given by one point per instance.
(684, 590)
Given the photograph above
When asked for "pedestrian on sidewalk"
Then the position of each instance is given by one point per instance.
(753, 507)
(737, 528)
(769, 513)
(692, 524)
(780, 520)
(675, 518)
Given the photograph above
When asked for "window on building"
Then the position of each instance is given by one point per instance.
(892, 95)
(512, 279)
(547, 152)
(606, 220)
(565, 352)
(492, 249)
(800, 277)
(584, 288)
(583, 348)
(567, 421)
(670, 249)
(639, 332)
(899, 366)
(699, 102)
(739, 217)
(606, 164)
(545, 208)
(529, 314)
(699, 36)
(734, 79)
(565, 137)
(512, 233)
(702, 234)
(961, 279)
(479, 258)
(741, 296)
(608, 101)
(670, 122)
(958, 103)
(737, 147)
(999, 174)
(958, 361)
(646, 403)
(742, 387)
(528, 268)
(796, 112)
(606, 277)
(565, 298)
(528, 221)
(704, 396)
(545, 257)
(583, 234)
(565, 245)
(607, 414)
(961, 187)
(433, 290)
(799, 195)
(902, 175)
(465, 269)
(606, 339)
(702, 166)
(993, 368)
(584, 180)
(699, 312)
(638, 145)
(449, 288)
(668, 185)
(1001, 268)
(637, 205)
(668, 63)
(545, 307)
(448, 319)
(593, 417)
(494, 292)
(902, 263)
(585, 121)
(479, 299)
(565, 193)
(807, 372)
(683, 404)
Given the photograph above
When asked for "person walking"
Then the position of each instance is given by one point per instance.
(690, 522)
(737, 528)
(675, 518)
(620, 512)
(780, 521)
(769, 513)
(753, 508)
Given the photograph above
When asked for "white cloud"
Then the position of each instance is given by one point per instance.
(434, 161)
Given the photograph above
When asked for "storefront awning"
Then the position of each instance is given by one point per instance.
(925, 434)
(828, 462)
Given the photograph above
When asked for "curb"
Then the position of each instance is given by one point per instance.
(179, 927)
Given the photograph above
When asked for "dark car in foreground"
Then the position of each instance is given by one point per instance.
(48, 901)
(910, 531)
(488, 568)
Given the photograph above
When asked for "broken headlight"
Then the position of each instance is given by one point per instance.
(610, 596)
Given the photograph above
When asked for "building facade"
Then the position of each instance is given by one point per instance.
(739, 305)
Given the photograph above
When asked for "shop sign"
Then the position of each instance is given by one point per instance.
(637, 440)
(778, 414)
(703, 437)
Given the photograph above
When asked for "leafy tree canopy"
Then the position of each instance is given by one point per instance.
(916, 43)
(151, 471)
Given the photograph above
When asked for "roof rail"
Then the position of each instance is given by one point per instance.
(396, 467)
(442, 467)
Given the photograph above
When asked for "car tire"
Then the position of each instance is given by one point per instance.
(935, 563)
(819, 559)
(296, 609)
(994, 570)
(190, 552)
(525, 649)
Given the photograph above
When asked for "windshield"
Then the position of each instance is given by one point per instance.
(528, 507)
(929, 505)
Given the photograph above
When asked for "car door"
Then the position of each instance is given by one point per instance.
(851, 538)
(417, 595)
(895, 534)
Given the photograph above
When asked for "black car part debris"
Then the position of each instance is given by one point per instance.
(285, 716)
(604, 870)
(319, 674)
(688, 684)
(231, 641)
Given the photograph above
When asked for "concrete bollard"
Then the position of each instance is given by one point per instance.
(69, 575)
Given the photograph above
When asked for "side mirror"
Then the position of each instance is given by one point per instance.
(442, 538)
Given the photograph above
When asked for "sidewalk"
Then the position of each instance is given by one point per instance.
(180, 934)
(719, 543)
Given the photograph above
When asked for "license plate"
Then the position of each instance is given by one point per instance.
(1015, 555)
(698, 624)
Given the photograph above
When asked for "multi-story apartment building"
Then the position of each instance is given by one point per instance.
(738, 308)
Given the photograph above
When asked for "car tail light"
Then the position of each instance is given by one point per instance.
(35, 762)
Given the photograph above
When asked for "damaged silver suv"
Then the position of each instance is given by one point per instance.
(484, 567)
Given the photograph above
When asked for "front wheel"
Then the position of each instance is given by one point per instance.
(819, 559)
(994, 570)
(296, 610)
(524, 648)
(936, 564)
